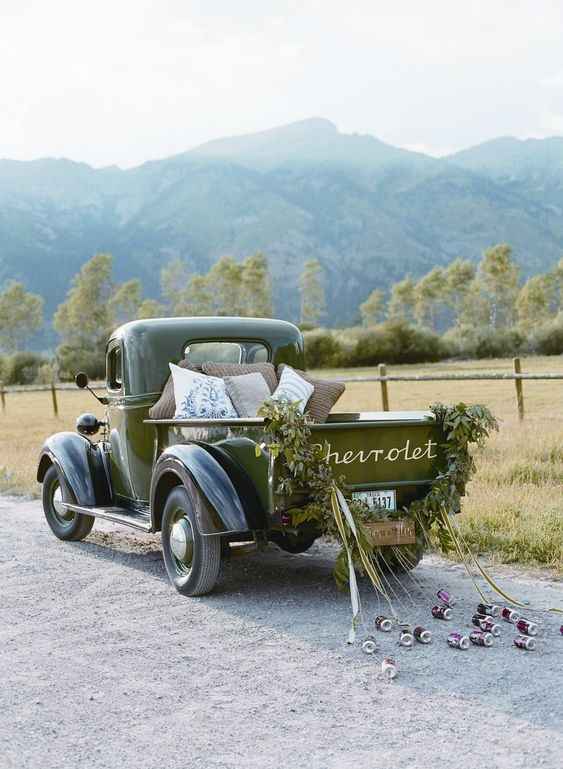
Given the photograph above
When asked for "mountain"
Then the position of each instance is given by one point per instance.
(306, 144)
(507, 157)
(369, 211)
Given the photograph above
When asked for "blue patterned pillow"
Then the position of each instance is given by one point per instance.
(199, 396)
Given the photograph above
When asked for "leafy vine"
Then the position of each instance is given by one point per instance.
(303, 469)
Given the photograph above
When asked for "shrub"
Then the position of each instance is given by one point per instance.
(70, 360)
(548, 339)
(322, 349)
(484, 342)
(22, 368)
(46, 374)
(397, 342)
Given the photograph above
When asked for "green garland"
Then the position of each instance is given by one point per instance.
(303, 466)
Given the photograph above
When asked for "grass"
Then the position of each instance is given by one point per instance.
(514, 506)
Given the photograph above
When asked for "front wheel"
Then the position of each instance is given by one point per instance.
(193, 562)
(64, 524)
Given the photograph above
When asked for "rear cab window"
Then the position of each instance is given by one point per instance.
(226, 352)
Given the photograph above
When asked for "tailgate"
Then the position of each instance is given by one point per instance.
(383, 450)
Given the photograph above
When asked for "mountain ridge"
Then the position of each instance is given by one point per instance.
(369, 211)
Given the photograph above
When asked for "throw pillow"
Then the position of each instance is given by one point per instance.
(199, 396)
(293, 388)
(324, 396)
(236, 369)
(165, 406)
(247, 392)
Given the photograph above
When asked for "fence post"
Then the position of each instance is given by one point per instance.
(384, 393)
(3, 397)
(54, 397)
(519, 389)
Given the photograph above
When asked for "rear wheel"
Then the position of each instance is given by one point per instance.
(193, 561)
(399, 559)
(64, 523)
(293, 543)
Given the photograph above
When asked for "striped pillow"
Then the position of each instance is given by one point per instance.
(293, 389)
(323, 399)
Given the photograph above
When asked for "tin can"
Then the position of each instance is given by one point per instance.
(406, 638)
(525, 642)
(476, 619)
(509, 615)
(458, 641)
(422, 635)
(490, 609)
(561, 629)
(526, 627)
(389, 668)
(445, 597)
(383, 623)
(369, 645)
(441, 612)
(490, 626)
(480, 638)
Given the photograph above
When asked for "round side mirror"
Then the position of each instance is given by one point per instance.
(81, 380)
(87, 424)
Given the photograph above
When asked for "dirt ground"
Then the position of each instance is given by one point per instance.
(103, 664)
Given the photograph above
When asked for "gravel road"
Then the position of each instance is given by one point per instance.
(103, 664)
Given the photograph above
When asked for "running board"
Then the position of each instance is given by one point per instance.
(137, 519)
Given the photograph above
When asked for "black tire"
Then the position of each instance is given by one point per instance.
(64, 524)
(410, 557)
(193, 561)
(292, 543)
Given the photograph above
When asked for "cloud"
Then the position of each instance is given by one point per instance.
(122, 82)
(553, 81)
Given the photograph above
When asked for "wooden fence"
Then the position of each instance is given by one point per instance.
(517, 376)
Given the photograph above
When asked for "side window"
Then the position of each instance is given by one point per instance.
(114, 369)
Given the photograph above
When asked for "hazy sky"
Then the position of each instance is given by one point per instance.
(129, 80)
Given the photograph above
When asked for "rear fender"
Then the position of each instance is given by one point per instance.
(224, 511)
(81, 467)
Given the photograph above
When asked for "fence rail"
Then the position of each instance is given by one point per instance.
(516, 375)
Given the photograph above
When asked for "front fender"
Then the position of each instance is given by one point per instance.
(81, 467)
(191, 463)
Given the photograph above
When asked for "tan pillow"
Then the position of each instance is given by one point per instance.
(165, 406)
(236, 369)
(324, 396)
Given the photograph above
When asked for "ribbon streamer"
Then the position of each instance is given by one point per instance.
(341, 511)
(458, 541)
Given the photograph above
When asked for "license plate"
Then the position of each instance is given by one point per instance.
(385, 533)
(387, 500)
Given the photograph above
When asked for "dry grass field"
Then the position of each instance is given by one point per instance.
(514, 508)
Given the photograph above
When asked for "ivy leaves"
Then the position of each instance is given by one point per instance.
(302, 466)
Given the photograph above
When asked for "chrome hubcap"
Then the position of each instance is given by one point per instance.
(59, 507)
(182, 541)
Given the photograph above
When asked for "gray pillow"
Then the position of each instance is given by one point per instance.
(247, 392)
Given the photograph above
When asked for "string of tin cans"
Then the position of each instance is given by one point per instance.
(485, 620)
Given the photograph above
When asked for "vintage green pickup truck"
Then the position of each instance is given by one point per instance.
(199, 481)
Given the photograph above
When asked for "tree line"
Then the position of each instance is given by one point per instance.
(461, 294)
(460, 302)
(95, 304)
